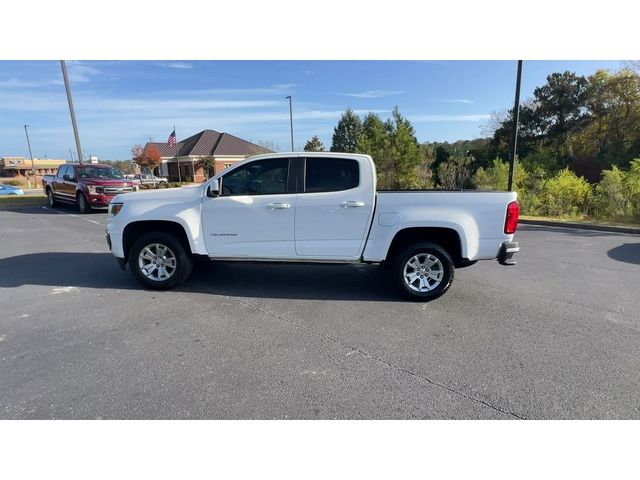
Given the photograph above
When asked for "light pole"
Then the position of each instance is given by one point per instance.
(33, 168)
(72, 111)
(514, 136)
(291, 120)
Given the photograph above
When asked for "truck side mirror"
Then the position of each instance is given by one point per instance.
(213, 190)
(66, 178)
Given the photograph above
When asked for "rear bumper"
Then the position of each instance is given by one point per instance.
(507, 251)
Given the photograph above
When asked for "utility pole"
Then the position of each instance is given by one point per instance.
(33, 168)
(71, 155)
(72, 111)
(516, 120)
(291, 121)
(177, 158)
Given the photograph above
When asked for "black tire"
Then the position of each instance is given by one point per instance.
(183, 260)
(83, 205)
(51, 200)
(419, 249)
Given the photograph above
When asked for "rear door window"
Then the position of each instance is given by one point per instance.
(331, 174)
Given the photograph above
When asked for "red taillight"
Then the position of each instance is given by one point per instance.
(511, 222)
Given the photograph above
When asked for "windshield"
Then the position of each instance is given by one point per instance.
(99, 172)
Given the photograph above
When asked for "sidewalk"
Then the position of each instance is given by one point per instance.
(603, 227)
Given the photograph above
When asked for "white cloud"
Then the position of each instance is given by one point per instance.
(178, 65)
(448, 118)
(453, 100)
(17, 83)
(374, 93)
(78, 72)
(284, 86)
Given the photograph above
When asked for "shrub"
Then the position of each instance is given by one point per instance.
(610, 200)
(455, 173)
(13, 182)
(617, 196)
(496, 177)
(565, 195)
(632, 188)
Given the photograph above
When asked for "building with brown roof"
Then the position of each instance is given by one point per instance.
(226, 149)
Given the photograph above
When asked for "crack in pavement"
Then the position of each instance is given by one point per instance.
(377, 359)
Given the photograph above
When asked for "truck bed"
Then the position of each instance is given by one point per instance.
(478, 217)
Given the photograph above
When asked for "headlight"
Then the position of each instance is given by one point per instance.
(91, 189)
(114, 209)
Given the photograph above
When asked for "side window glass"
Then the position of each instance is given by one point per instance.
(331, 174)
(62, 172)
(262, 177)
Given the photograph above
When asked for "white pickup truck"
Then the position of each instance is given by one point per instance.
(314, 208)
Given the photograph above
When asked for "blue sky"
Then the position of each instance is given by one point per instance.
(122, 103)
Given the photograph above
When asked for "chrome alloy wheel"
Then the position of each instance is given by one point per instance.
(157, 262)
(423, 272)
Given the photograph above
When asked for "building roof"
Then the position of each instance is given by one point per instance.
(210, 142)
(21, 163)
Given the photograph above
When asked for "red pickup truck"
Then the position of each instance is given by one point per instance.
(88, 186)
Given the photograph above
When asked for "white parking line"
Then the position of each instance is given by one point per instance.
(75, 216)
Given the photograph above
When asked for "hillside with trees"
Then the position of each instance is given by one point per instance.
(578, 152)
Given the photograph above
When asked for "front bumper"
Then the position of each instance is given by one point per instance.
(507, 251)
(122, 262)
(99, 200)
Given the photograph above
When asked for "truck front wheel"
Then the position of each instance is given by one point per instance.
(423, 271)
(83, 205)
(159, 261)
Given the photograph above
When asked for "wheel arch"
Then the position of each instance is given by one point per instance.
(448, 238)
(138, 228)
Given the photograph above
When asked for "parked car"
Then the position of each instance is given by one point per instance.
(88, 186)
(10, 190)
(150, 179)
(314, 208)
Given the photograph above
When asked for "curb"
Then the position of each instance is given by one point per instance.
(582, 226)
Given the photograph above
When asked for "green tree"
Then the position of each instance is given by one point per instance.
(375, 140)
(207, 163)
(561, 104)
(399, 160)
(314, 145)
(612, 136)
(406, 151)
(346, 133)
(557, 109)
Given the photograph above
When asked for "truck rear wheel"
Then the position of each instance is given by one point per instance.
(423, 271)
(159, 261)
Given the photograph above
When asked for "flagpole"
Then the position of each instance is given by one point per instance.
(177, 159)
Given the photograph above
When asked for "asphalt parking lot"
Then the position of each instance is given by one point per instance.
(557, 336)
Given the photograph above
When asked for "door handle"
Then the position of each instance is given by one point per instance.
(352, 204)
(278, 206)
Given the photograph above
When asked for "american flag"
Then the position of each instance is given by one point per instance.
(172, 138)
